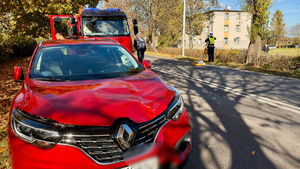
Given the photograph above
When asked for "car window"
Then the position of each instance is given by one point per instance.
(83, 62)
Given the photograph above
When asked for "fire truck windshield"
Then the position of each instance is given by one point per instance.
(105, 27)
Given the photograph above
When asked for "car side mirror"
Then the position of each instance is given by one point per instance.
(72, 21)
(147, 64)
(18, 73)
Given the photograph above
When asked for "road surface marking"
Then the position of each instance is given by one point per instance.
(271, 102)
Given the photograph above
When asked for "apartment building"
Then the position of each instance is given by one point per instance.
(228, 26)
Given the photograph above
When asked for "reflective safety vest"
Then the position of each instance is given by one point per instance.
(211, 40)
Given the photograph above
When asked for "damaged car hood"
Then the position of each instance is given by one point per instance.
(97, 102)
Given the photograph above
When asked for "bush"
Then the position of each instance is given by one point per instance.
(178, 51)
(230, 55)
(278, 62)
(267, 61)
(17, 46)
(297, 71)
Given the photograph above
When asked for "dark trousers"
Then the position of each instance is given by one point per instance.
(140, 56)
(210, 52)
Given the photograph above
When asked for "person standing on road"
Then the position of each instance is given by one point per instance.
(211, 47)
(265, 48)
(140, 46)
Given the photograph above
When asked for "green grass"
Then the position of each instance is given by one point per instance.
(294, 74)
(286, 51)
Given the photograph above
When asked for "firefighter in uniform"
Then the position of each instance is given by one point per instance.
(211, 47)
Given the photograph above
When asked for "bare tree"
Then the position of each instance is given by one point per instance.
(195, 18)
(294, 31)
(154, 14)
(151, 14)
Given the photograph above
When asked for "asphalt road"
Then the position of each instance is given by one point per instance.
(240, 119)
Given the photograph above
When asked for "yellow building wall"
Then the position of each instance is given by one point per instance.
(226, 34)
(226, 22)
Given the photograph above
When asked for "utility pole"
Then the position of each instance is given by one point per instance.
(183, 36)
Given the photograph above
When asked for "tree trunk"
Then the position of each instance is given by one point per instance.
(190, 42)
(153, 42)
(253, 52)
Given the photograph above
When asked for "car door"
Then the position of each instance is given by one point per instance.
(64, 25)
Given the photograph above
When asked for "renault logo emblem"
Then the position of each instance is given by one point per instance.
(125, 136)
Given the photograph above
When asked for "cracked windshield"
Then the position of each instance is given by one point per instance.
(105, 26)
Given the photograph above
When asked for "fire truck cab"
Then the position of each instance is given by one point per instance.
(94, 24)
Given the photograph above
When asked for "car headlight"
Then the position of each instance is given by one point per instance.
(34, 132)
(175, 108)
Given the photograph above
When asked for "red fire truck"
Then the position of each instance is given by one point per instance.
(95, 24)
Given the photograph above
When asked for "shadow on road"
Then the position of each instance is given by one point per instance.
(221, 137)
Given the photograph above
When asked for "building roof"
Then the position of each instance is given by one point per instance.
(225, 10)
(78, 42)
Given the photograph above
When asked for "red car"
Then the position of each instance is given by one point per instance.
(90, 104)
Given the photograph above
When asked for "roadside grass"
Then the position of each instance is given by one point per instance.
(179, 57)
(294, 74)
(286, 51)
(257, 69)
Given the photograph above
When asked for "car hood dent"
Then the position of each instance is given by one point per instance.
(97, 102)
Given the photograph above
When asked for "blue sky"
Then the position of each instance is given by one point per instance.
(289, 8)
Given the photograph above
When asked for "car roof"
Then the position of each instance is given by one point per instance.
(103, 13)
(78, 42)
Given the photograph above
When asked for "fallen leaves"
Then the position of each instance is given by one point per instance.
(3, 149)
(8, 90)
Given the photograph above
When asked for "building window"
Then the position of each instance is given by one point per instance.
(199, 41)
(238, 16)
(226, 15)
(225, 41)
(194, 41)
(238, 28)
(206, 29)
(226, 28)
(237, 40)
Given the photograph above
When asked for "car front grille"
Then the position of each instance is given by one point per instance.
(99, 144)
(147, 132)
(101, 148)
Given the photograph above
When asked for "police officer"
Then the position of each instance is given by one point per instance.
(140, 46)
(211, 47)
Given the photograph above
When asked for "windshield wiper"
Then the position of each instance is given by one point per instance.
(52, 79)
